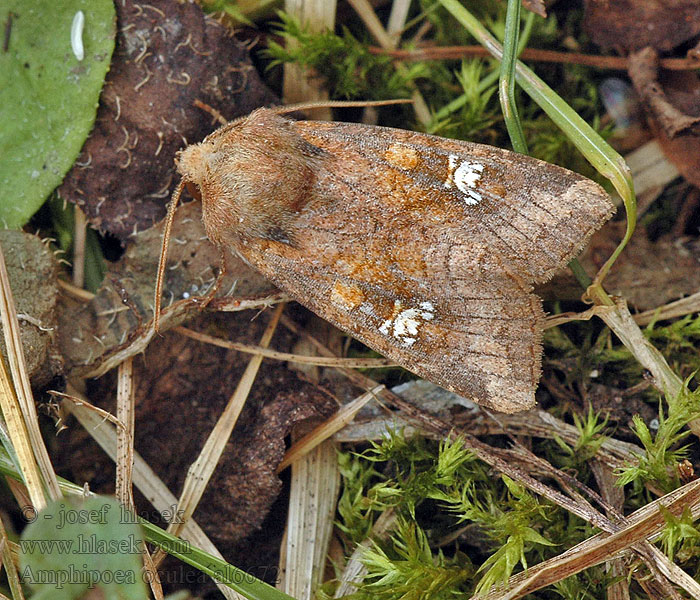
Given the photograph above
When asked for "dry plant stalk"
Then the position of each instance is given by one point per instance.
(617, 63)
(299, 84)
(568, 317)
(533, 423)
(325, 430)
(615, 496)
(672, 310)
(355, 570)
(94, 421)
(125, 459)
(125, 434)
(19, 438)
(201, 470)
(621, 322)
(639, 526)
(651, 173)
(18, 405)
(75, 292)
(388, 42)
(313, 496)
(79, 239)
(319, 361)
(7, 561)
(397, 19)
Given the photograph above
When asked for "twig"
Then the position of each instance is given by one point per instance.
(350, 363)
(365, 11)
(617, 63)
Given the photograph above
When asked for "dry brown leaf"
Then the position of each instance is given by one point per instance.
(167, 55)
(95, 337)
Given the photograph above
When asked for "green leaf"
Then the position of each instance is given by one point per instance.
(48, 97)
(75, 544)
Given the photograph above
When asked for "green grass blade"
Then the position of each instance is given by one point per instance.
(506, 83)
(596, 150)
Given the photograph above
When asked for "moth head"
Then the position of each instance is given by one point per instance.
(253, 175)
(191, 162)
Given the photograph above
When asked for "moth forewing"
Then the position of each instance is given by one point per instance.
(535, 215)
(423, 248)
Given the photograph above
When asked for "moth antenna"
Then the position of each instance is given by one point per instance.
(164, 253)
(280, 110)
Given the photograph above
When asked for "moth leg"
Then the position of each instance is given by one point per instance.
(209, 296)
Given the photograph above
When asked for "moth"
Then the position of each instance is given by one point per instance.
(425, 249)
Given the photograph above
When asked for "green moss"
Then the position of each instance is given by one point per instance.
(345, 62)
(436, 490)
(662, 449)
(406, 568)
